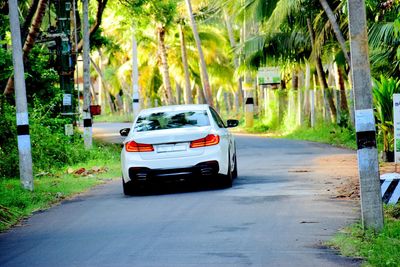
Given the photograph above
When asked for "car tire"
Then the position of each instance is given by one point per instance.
(235, 171)
(127, 188)
(226, 180)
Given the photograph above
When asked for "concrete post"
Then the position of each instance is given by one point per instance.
(135, 78)
(266, 101)
(371, 200)
(300, 110)
(24, 139)
(87, 119)
(312, 100)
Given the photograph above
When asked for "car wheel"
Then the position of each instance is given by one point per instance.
(235, 171)
(226, 181)
(127, 187)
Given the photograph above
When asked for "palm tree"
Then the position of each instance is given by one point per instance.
(164, 63)
(159, 15)
(321, 73)
(188, 91)
(336, 29)
(206, 81)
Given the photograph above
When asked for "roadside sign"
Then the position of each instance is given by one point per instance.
(396, 124)
(69, 129)
(268, 75)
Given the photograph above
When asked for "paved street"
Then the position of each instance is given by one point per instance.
(276, 214)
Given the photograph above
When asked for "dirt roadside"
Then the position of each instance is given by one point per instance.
(340, 174)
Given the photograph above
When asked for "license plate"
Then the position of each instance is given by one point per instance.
(171, 148)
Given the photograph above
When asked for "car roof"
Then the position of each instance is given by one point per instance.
(190, 107)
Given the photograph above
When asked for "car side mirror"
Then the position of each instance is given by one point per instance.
(124, 132)
(232, 123)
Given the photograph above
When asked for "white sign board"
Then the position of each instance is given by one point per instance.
(396, 124)
(67, 100)
(69, 129)
(269, 75)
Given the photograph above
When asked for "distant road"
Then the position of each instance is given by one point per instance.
(109, 132)
(276, 214)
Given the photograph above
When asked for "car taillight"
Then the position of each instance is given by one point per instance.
(132, 146)
(209, 140)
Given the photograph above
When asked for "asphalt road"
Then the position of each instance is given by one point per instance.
(273, 216)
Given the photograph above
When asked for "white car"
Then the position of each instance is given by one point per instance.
(178, 143)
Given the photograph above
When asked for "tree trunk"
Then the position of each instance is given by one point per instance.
(235, 60)
(164, 65)
(178, 89)
(343, 98)
(30, 40)
(188, 92)
(100, 66)
(295, 79)
(336, 28)
(321, 73)
(28, 19)
(206, 81)
(104, 85)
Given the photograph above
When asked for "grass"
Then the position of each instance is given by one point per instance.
(57, 185)
(113, 118)
(378, 249)
(328, 134)
(323, 133)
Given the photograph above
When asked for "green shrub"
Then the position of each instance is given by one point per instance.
(383, 91)
(326, 133)
(378, 249)
(50, 147)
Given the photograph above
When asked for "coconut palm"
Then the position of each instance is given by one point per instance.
(384, 40)
(160, 15)
(188, 92)
(206, 81)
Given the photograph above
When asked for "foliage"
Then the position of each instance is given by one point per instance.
(384, 38)
(50, 147)
(378, 249)
(330, 134)
(5, 66)
(383, 91)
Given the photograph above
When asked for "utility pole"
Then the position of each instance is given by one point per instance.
(135, 78)
(87, 119)
(65, 68)
(24, 139)
(368, 168)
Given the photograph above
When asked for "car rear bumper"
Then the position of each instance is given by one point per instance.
(201, 170)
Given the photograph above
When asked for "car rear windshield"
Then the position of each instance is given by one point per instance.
(171, 120)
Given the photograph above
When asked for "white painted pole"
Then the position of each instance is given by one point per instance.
(371, 199)
(87, 119)
(312, 100)
(266, 103)
(135, 78)
(24, 139)
(396, 124)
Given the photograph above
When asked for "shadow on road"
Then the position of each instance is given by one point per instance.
(176, 187)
